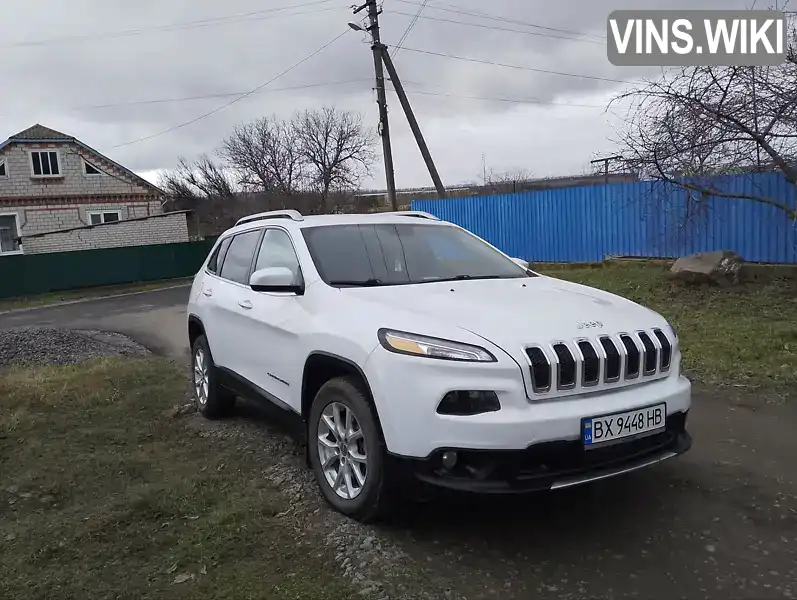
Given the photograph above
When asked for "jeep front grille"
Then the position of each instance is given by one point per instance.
(540, 370)
(611, 373)
(566, 371)
(618, 360)
(591, 372)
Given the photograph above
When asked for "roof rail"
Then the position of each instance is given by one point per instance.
(293, 215)
(418, 214)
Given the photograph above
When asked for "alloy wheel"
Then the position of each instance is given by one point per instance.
(342, 451)
(201, 377)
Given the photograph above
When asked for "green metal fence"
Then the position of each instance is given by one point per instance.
(25, 275)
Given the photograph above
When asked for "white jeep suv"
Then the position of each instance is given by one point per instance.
(409, 347)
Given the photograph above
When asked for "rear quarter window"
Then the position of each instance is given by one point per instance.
(217, 259)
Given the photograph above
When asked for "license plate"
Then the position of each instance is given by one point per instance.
(610, 428)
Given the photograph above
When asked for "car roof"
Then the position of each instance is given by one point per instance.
(292, 222)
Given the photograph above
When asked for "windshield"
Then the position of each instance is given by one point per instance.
(365, 255)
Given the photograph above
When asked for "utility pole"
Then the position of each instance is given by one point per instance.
(384, 127)
(416, 130)
(382, 57)
(605, 162)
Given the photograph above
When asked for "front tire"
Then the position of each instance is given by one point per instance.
(212, 400)
(346, 450)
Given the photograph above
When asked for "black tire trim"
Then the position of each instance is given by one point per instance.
(349, 362)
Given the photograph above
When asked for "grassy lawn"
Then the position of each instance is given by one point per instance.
(745, 335)
(96, 292)
(103, 494)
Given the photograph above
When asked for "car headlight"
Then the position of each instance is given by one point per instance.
(429, 347)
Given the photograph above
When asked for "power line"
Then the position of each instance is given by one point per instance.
(409, 28)
(260, 15)
(237, 99)
(497, 28)
(522, 68)
(458, 10)
(509, 100)
(152, 101)
(219, 95)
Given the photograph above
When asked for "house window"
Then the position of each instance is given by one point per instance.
(90, 170)
(3, 169)
(45, 164)
(9, 231)
(104, 216)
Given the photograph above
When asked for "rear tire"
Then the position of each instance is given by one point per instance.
(211, 399)
(343, 435)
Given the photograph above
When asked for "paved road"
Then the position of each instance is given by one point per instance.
(720, 521)
(155, 319)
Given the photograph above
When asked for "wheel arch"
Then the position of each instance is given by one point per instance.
(320, 367)
(195, 329)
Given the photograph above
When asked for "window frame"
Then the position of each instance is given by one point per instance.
(313, 251)
(86, 163)
(102, 214)
(217, 254)
(232, 237)
(299, 274)
(16, 223)
(57, 152)
(4, 162)
(262, 232)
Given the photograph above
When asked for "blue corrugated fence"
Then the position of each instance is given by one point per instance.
(648, 219)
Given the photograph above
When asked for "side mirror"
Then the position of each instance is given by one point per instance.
(275, 279)
(521, 263)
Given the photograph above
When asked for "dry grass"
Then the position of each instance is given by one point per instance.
(745, 335)
(104, 494)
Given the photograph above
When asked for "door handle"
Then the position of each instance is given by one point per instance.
(245, 304)
(208, 293)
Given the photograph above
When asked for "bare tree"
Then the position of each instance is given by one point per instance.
(202, 178)
(265, 157)
(699, 122)
(336, 147)
(509, 176)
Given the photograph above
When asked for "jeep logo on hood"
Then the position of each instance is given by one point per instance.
(590, 325)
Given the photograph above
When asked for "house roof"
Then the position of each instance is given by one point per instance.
(39, 133)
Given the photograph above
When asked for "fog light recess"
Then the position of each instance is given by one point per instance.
(449, 460)
(468, 403)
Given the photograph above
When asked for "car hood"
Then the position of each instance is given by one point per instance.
(513, 313)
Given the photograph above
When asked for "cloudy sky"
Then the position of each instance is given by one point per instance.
(111, 72)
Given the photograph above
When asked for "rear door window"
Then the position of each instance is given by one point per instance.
(238, 260)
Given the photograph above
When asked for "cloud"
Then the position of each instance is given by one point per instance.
(60, 83)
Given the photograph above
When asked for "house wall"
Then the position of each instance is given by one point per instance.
(166, 229)
(19, 181)
(63, 213)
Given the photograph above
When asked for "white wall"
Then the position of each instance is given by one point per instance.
(165, 229)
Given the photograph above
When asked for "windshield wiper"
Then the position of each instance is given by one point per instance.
(373, 282)
(467, 278)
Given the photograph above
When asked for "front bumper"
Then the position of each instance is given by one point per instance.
(548, 465)
(407, 390)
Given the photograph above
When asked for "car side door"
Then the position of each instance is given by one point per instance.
(273, 362)
(204, 304)
(232, 302)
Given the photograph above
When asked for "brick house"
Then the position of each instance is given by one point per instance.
(58, 194)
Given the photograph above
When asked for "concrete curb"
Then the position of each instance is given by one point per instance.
(94, 299)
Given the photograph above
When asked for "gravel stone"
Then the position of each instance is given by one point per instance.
(32, 346)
